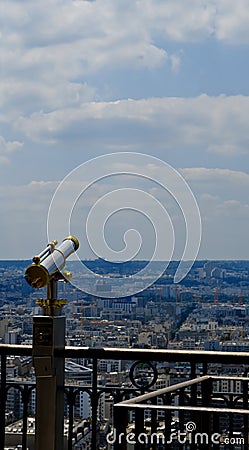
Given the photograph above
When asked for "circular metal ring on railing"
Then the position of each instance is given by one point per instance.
(143, 374)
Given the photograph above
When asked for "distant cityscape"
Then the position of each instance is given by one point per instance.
(210, 305)
(208, 310)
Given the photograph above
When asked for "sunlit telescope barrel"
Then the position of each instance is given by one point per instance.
(49, 261)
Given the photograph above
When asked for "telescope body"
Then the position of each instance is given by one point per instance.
(51, 260)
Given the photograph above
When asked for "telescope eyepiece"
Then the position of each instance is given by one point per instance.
(74, 240)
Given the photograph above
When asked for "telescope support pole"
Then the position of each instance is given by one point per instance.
(48, 336)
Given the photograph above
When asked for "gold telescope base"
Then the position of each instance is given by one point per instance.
(51, 307)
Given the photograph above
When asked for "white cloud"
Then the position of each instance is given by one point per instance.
(24, 211)
(224, 211)
(19, 96)
(224, 184)
(73, 38)
(224, 206)
(232, 21)
(106, 22)
(50, 48)
(54, 54)
(27, 198)
(175, 63)
(214, 124)
(223, 201)
(185, 20)
(216, 175)
(7, 148)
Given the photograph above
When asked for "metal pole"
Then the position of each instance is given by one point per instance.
(94, 404)
(48, 336)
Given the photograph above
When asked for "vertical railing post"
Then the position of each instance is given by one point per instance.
(71, 396)
(205, 416)
(154, 422)
(205, 368)
(230, 421)
(139, 428)
(193, 388)
(167, 421)
(216, 427)
(193, 395)
(120, 427)
(94, 403)
(181, 415)
(2, 401)
(245, 417)
(25, 400)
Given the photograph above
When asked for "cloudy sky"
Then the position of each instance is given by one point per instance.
(167, 78)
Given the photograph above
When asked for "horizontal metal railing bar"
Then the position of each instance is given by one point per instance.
(180, 408)
(78, 385)
(158, 355)
(195, 356)
(15, 350)
(157, 393)
(220, 377)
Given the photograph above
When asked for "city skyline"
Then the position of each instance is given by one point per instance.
(89, 78)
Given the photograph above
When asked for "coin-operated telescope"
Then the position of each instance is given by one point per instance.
(46, 271)
(49, 261)
(49, 343)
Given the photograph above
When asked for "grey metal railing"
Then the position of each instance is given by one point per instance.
(199, 362)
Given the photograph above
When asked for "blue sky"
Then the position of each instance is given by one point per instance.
(168, 78)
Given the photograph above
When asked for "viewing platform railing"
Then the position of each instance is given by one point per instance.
(136, 405)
